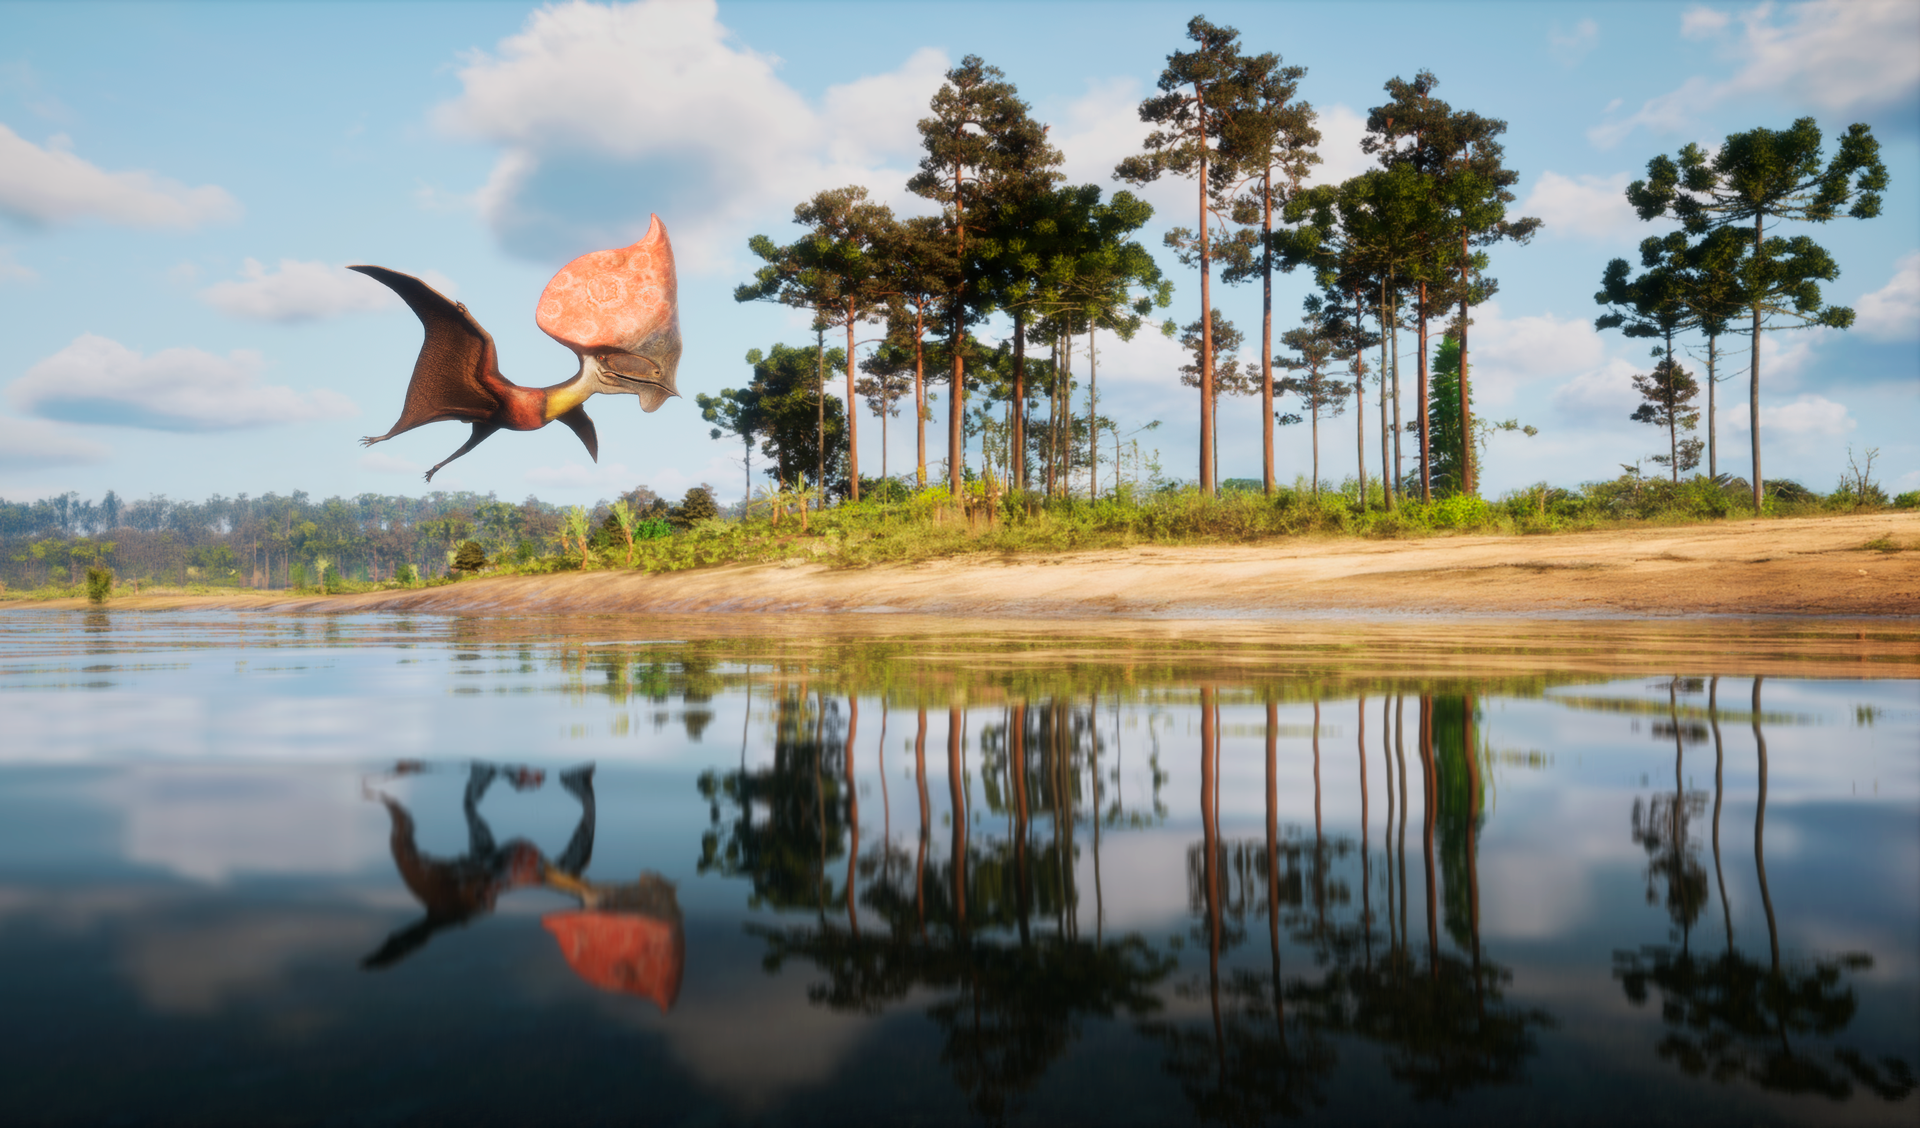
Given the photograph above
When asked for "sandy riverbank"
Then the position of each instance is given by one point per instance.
(1814, 566)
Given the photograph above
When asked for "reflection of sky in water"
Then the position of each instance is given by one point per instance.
(188, 855)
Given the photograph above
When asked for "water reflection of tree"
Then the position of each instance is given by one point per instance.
(1733, 1018)
(1663, 826)
(992, 930)
(790, 817)
(1445, 1027)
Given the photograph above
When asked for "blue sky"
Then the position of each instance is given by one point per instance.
(181, 186)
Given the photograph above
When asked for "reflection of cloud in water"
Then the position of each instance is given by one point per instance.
(753, 1048)
(1540, 898)
(197, 969)
(1144, 886)
(47, 727)
(211, 824)
(77, 910)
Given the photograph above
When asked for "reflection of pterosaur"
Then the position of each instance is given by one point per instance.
(626, 938)
(617, 310)
(455, 890)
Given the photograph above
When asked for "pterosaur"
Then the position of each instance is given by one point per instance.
(617, 310)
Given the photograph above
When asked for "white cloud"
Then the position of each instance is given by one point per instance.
(306, 291)
(1806, 416)
(1569, 47)
(875, 120)
(1593, 207)
(1892, 313)
(1785, 355)
(1836, 55)
(1507, 354)
(52, 185)
(604, 114)
(32, 444)
(297, 291)
(1102, 128)
(1602, 394)
(11, 271)
(99, 380)
(1341, 129)
(1703, 23)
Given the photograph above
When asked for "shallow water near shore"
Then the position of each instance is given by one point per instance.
(268, 867)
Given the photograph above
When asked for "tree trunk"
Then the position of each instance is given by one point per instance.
(920, 395)
(956, 432)
(1399, 466)
(1093, 419)
(1314, 409)
(1713, 454)
(820, 363)
(1206, 312)
(1386, 440)
(853, 418)
(1018, 438)
(1673, 414)
(1426, 452)
(1753, 389)
(1360, 401)
(1466, 404)
(1266, 334)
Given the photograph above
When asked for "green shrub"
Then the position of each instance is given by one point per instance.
(1908, 500)
(470, 558)
(99, 583)
(1461, 511)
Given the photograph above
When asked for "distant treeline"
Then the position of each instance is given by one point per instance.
(271, 541)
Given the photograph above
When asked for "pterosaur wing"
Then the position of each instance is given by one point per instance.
(457, 375)
(583, 427)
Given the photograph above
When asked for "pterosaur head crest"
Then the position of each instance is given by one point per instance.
(620, 311)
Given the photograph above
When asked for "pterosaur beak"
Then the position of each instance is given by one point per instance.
(648, 370)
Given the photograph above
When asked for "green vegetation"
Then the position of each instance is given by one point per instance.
(896, 524)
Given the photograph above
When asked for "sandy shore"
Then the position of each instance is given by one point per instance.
(1803, 567)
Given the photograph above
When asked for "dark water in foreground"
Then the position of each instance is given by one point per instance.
(260, 868)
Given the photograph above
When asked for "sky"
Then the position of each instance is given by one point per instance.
(182, 185)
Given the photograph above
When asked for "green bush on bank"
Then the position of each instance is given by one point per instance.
(895, 523)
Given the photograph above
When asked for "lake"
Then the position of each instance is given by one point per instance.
(261, 867)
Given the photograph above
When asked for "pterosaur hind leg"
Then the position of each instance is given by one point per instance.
(480, 433)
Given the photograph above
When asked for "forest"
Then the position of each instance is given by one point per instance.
(1400, 250)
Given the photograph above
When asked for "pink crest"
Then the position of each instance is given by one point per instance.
(611, 301)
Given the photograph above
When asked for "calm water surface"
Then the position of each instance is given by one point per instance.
(261, 868)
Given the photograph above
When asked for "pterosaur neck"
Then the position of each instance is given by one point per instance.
(565, 396)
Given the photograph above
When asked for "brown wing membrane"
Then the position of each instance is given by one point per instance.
(582, 426)
(456, 374)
